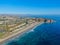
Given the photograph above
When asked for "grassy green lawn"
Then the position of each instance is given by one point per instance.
(1, 35)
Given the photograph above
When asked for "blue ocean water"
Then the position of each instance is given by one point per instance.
(45, 34)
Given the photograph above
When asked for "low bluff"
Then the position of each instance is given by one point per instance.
(49, 20)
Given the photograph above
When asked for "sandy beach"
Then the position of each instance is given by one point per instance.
(19, 32)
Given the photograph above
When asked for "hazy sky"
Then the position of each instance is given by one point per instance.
(29, 6)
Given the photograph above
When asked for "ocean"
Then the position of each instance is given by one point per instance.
(44, 34)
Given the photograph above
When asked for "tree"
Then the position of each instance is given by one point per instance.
(45, 20)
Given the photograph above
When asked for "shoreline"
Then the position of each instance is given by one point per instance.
(20, 32)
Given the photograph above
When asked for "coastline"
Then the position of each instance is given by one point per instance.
(34, 25)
